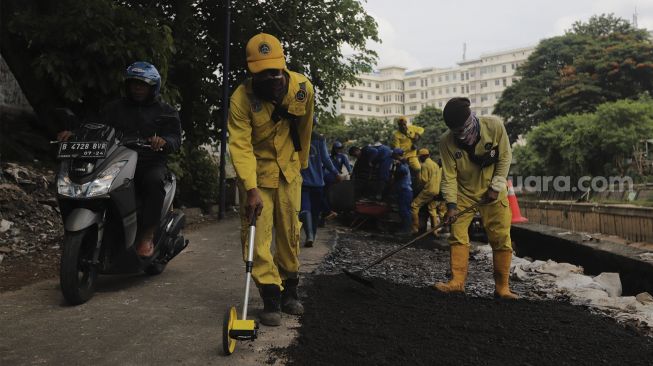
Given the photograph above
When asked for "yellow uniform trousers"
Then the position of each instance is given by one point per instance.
(280, 211)
(496, 218)
(424, 198)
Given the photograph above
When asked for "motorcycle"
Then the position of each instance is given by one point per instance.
(100, 210)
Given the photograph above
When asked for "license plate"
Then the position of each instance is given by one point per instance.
(85, 150)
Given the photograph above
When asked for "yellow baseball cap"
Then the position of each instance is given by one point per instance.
(264, 52)
(423, 151)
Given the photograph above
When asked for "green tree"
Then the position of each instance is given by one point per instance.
(431, 119)
(603, 60)
(598, 143)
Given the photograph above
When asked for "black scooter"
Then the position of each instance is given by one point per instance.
(100, 211)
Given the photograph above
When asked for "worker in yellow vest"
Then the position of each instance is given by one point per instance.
(429, 177)
(476, 157)
(405, 138)
(270, 124)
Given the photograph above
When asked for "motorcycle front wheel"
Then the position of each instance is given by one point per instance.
(78, 274)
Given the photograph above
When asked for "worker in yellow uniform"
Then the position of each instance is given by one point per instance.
(405, 138)
(270, 124)
(476, 157)
(430, 176)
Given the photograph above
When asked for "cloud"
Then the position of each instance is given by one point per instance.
(390, 50)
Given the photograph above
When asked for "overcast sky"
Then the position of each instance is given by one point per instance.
(424, 33)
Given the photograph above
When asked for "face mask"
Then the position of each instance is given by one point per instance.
(468, 132)
(270, 88)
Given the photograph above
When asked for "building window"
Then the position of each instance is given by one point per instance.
(467, 88)
(369, 85)
(439, 91)
(483, 84)
(377, 109)
(505, 82)
(462, 76)
(360, 95)
(440, 104)
(369, 96)
(351, 94)
(513, 66)
(413, 108)
(377, 97)
(360, 107)
(377, 85)
(412, 95)
(497, 82)
(446, 77)
(439, 78)
(344, 106)
(446, 91)
(412, 83)
(454, 89)
(351, 106)
(483, 98)
(473, 100)
(503, 69)
(369, 108)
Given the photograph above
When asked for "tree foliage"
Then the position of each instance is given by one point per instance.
(603, 60)
(358, 131)
(599, 143)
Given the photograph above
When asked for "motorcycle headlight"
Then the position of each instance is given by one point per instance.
(96, 187)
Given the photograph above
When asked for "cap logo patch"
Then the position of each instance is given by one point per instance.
(264, 48)
(458, 154)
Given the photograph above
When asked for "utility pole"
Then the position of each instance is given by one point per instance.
(225, 109)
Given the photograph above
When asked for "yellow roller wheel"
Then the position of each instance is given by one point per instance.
(228, 343)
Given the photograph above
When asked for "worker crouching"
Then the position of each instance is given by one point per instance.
(430, 176)
(476, 157)
(270, 124)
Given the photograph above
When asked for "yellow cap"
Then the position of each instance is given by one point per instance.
(264, 52)
(423, 151)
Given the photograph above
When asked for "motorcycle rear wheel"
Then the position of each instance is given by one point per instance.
(77, 274)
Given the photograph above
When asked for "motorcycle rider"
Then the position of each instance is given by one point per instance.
(142, 113)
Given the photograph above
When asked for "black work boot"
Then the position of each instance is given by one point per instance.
(271, 314)
(289, 299)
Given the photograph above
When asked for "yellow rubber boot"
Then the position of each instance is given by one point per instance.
(415, 228)
(459, 264)
(501, 260)
(434, 223)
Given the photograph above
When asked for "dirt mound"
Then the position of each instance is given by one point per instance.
(30, 225)
(348, 324)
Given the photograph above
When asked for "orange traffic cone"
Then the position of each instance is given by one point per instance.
(517, 218)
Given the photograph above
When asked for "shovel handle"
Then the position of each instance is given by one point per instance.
(393, 252)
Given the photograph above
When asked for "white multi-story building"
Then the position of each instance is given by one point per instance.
(392, 91)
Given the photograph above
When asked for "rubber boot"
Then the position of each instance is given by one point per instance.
(289, 299)
(459, 264)
(415, 223)
(307, 224)
(501, 260)
(271, 314)
(434, 223)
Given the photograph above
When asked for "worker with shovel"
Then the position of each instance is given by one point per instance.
(270, 124)
(476, 157)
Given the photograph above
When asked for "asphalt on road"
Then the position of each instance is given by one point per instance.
(171, 319)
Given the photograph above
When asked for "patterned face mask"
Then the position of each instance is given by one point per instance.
(468, 132)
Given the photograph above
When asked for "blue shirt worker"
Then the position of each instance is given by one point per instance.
(404, 187)
(313, 186)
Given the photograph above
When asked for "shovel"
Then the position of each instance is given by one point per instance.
(358, 275)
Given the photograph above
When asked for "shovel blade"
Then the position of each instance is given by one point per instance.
(356, 276)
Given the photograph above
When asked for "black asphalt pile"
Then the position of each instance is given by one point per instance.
(395, 324)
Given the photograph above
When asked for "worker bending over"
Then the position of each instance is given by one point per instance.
(476, 157)
(270, 124)
(429, 177)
